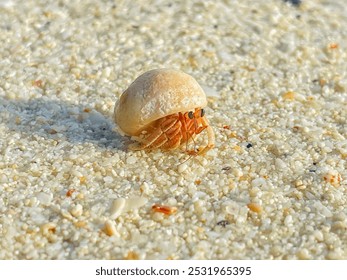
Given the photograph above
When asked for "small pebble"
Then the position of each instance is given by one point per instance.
(44, 198)
(131, 160)
(254, 207)
(294, 2)
(182, 167)
(318, 235)
(223, 223)
(258, 182)
(48, 229)
(280, 164)
(77, 210)
(288, 220)
(110, 228)
(303, 254)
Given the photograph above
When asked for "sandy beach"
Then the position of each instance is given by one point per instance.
(273, 187)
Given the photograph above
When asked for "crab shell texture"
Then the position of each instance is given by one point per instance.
(154, 95)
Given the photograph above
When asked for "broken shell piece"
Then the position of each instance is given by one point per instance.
(76, 210)
(154, 95)
(254, 207)
(332, 177)
(167, 210)
(48, 229)
(134, 203)
(117, 207)
(122, 205)
(110, 228)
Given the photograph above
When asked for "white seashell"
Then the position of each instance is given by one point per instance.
(122, 205)
(117, 207)
(154, 95)
(135, 202)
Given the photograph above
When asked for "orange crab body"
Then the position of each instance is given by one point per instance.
(173, 131)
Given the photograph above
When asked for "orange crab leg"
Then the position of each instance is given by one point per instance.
(210, 135)
(172, 131)
(173, 143)
(186, 127)
(170, 139)
(165, 134)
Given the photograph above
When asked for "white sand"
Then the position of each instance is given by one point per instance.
(276, 75)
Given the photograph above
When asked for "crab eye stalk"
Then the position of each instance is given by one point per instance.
(191, 115)
(202, 112)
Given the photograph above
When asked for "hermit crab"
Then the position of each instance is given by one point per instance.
(163, 108)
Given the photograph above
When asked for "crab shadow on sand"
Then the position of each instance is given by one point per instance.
(60, 120)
